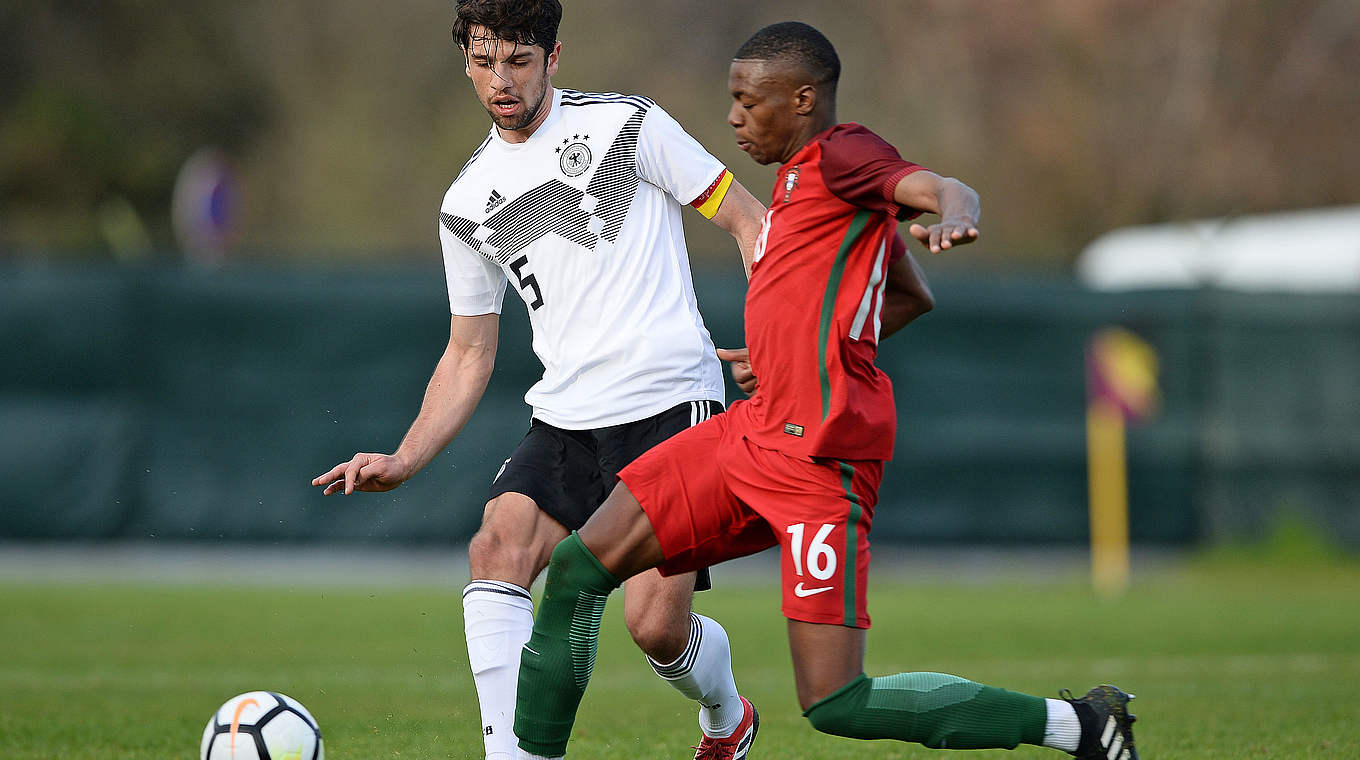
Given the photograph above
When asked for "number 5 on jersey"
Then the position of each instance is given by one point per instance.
(820, 558)
(526, 282)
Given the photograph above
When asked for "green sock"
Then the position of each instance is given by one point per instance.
(940, 711)
(555, 665)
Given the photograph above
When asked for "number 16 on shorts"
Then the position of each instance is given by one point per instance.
(820, 558)
(824, 579)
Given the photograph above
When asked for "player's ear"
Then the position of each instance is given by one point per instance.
(805, 100)
(552, 58)
(467, 62)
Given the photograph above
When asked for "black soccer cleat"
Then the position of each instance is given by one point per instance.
(1106, 724)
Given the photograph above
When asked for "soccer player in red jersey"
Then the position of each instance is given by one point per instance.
(798, 465)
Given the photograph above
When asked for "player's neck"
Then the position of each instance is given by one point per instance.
(817, 123)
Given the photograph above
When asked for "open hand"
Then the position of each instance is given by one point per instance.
(946, 234)
(365, 472)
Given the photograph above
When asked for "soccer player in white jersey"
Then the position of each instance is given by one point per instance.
(574, 201)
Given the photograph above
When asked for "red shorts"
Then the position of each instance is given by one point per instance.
(712, 495)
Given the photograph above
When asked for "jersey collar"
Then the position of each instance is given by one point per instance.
(801, 155)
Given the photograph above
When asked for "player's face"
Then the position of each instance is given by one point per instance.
(512, 80)
(763, 111)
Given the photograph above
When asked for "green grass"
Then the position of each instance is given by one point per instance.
(1229, 659)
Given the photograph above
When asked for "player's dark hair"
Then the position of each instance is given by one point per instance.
(527, 22)
(798, 43)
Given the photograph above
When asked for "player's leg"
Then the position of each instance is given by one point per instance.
(822, 512)
(687, 650)
(657, 610)
(934, 709)
(619, 541)
(557, 660)
(825, 658)
(522, 523)
(945, 711)
(824, 583)
(506, 554)
(514, 541)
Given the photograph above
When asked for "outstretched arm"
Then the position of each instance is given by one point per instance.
(956, 203)
(453, 393)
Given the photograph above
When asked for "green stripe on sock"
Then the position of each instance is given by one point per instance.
(585, 636)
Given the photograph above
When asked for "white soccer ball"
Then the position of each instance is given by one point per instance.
(262, 725)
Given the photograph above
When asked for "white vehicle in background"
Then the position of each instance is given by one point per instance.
(1314, 250)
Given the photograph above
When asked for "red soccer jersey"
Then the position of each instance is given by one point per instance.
(816, 290)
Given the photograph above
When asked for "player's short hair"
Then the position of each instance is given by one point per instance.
(527, 22)
(797, 43)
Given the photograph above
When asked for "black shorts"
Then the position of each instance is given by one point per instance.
(568, 473)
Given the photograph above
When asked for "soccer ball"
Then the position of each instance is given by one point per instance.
(261, 725)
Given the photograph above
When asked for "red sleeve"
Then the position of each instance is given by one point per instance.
(862, 169)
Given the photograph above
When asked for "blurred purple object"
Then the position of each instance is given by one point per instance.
(205, 207)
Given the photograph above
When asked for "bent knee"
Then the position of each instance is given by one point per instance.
(485, 544)
(518, 558)
(661, 637)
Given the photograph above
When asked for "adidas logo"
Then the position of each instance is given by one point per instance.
(494, 201)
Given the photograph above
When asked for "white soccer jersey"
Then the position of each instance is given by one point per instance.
(583, 219)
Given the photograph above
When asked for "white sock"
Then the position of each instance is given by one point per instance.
(498, 618)
(703, 672)
(1063, 730)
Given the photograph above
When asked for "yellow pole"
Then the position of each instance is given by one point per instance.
(1109, 493)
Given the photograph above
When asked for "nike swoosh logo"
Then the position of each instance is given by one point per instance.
(799, 591)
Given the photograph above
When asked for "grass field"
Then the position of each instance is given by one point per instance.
(1229, 659)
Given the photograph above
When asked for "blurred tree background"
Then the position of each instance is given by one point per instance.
(346, 119)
